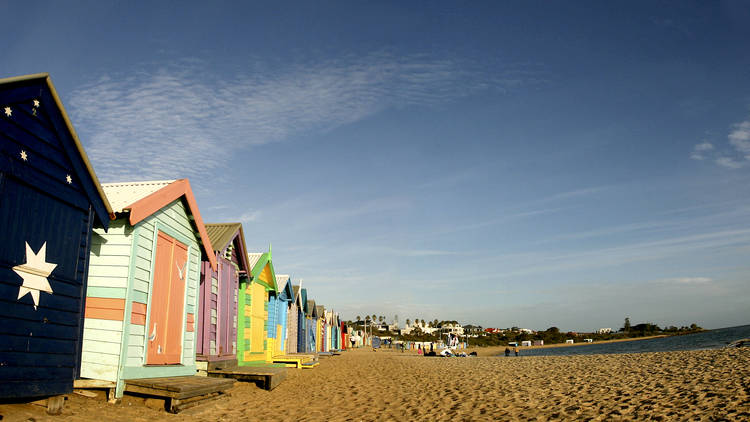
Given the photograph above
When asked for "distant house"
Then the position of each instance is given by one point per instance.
(473, 330)
(538, 342)
(425, 328)
(525, 330)
(604, 330)
(451, 328)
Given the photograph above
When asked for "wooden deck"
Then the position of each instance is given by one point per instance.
(296, 360)
(109, 386)
(181, 392)
(266, 377)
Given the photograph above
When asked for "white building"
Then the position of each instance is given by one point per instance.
(449, 328)
(426, 328)
(604, 330)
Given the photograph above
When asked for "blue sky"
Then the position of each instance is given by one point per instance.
(531, 164)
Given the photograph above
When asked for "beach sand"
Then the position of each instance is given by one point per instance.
(389, 385)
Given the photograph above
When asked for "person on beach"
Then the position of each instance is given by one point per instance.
(507, 351)
(432, 350)
(419, 350)
(515, 350)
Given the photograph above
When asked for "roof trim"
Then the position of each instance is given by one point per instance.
(72, 131)
(242, 254)
(265, 258)
(144, 207)
(288, 289)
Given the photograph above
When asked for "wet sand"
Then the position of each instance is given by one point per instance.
(388, 385)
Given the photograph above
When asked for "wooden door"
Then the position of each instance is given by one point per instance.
(258, 318)
(166, 314)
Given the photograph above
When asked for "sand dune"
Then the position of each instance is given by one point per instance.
(388, 385)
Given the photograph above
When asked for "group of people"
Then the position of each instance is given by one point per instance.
(507, 351)
(421, 351)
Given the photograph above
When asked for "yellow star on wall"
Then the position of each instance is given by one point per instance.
(24, 156)
(36, 103)
(8, 111)
(34, 273)
(68, 179)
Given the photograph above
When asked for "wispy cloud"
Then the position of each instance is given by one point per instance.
(551, 262)
(178, 122)
(735, 156)
(687, 280)
(739, 138)
(700, 150)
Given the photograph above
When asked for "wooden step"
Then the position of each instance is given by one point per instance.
(266, 377)
(180, 392)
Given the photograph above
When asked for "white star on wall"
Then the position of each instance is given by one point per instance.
(68, 179)
(8, 111)
(24, 157)
(36, 103)
(34, 273)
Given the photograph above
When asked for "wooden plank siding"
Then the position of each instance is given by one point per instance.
(102, 331)
(123, 259)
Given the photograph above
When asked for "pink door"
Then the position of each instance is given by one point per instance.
(167, 302)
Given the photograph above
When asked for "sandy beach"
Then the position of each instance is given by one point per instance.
(388, 385)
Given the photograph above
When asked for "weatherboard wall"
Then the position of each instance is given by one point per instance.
(292, 327)
(115, 343)
(218, 307)
(48, 208)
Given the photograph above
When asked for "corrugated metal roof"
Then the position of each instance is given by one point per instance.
(253, 258)
(121, 195)
(221, 234)
(281, 280)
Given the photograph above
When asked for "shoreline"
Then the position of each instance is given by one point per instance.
(498, 350)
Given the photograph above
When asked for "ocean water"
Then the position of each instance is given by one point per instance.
(712, 339)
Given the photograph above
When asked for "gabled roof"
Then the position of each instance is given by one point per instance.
(311, 309)
(259, 266)
(303, 299)
(253, 258)
(298, 297)
(222, 235)
(99, 202)
(142, 199)
(287, 293)
(122, 195)
(321, 311)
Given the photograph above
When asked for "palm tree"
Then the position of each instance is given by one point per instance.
(408, 321)
(423, 323)
(359, 318)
